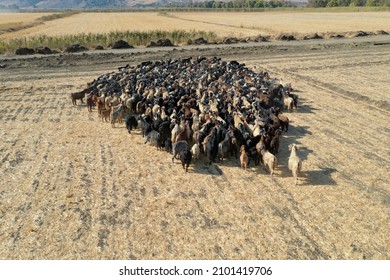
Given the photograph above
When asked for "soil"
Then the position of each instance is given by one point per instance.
(73, 187)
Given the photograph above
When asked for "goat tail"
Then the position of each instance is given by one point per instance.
(299, 167)
(275, 163)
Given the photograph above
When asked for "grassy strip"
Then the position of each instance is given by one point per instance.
(16, 26)
(56, 16)
(91, 40)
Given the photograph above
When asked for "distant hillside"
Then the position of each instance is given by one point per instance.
(91, 4)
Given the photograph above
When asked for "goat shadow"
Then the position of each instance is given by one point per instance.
(319, 177)
(202, 167)
(323, 176)
(305, 107)
(294, 133)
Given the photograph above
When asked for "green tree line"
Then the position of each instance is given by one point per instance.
(236, 4)
(345, 3)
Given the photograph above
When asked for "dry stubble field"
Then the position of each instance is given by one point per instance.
(223, 24)
(72, 187)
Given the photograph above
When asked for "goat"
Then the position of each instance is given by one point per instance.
(90, 102)
(185, 157)
(294, 162)
(175, 131)
(105, 114)
(288, 102)
(168, 145)
(253, 155)
(165, 133)
(284, 121)
(234, 146)
(100, 106)
(195, 150)
(274, 145)
(77, 95)
(224, 146)
(268, 159)
(131, 123)
(146, 125)
(152, 137)
(184, 134)
(244, 158)
(116, 114)
(210, 145)
(295, 99)
(178, 147)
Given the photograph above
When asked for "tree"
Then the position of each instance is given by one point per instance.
(317, 3)
(372, 3)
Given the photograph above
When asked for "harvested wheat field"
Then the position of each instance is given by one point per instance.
(12, 22)
(223, 24)
(73, 187)
(20, 17)
(274, 23)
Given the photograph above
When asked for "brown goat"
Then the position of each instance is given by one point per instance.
(184, 135)
(244, 158)
(105, 114)
(90, 102)
(284, 121)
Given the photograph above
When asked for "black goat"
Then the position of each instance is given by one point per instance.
(178, 147)
(185, 157)
(131, 123)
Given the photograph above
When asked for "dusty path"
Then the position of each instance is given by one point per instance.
(74, 188)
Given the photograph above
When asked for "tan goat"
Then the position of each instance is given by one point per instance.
(294, 162)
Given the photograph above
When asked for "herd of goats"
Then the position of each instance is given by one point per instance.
(199, 107)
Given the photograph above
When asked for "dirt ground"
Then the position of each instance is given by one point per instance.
(72, 187)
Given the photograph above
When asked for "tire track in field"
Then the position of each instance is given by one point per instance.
(23, 209)
(109, 214)
(382, 105)
(330, 135)
(290, 214)
(346, 129)
(339, 65)
(326, 57)
(85, 204)
(295, 219)
(335, 128)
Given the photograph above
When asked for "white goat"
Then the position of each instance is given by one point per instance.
(294, 162)
(268, 160)
(195, 150)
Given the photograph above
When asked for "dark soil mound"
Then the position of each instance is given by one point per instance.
(260, 39)
(335, 36)
(360, 34)
(314, 36)
(75, 48)
(24, 51)
(121, 44)
(198, 41)
(230, 40)
(161, 43)
(286, 37)
(381, 32)
(99, 48)
(43, 50)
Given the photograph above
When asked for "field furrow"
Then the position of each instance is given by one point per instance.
(73, 187)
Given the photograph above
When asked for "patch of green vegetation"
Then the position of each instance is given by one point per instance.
(56, 16)
(91, 40)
